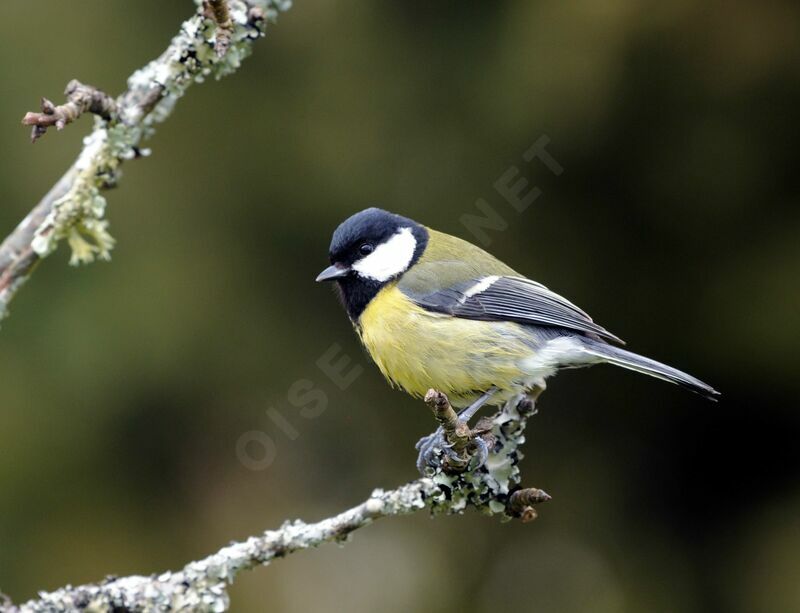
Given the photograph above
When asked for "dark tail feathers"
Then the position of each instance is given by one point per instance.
(638, 363)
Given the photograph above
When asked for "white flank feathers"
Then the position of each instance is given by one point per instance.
(558, 352)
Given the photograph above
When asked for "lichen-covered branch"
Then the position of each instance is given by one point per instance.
(201, 586)
(74, 209)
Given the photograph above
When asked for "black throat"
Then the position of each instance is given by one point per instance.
(356, 293)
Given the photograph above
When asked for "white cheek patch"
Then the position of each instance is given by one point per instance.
(390, 258)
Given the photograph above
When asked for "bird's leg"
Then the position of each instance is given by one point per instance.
(468, 413)
(453, 436)
(481, 452)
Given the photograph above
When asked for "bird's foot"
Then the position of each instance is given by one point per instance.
(454, 446)
(430, 448)
(435, 451)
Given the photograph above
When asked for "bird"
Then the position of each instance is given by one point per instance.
(436, 312)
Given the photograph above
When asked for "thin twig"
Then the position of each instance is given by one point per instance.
(218, 11)
(80, 99)
(457, 432)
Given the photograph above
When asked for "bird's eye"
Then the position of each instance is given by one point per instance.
(365, 249)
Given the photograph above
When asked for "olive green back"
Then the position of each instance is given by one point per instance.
(449, 261)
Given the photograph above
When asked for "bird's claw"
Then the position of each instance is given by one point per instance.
(436, 451)
(481, 451)
(425, 441)
(428, 447)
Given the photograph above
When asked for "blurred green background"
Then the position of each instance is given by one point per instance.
(126, 386)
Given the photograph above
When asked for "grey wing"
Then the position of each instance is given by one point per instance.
(517, 299)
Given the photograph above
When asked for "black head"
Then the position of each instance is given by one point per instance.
(369, 250)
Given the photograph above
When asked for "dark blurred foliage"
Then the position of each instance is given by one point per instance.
(125, 386)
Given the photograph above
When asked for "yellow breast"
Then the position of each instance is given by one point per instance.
(418, 350)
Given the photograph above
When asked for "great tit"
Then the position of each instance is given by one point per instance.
(435, 311)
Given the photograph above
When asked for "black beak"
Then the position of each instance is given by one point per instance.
(332, 273)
